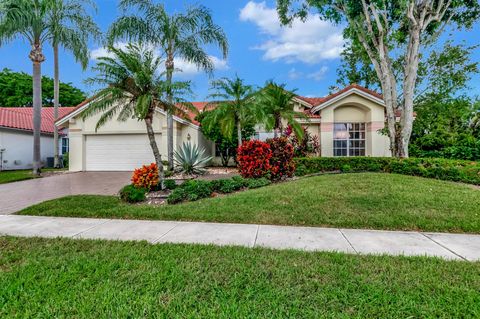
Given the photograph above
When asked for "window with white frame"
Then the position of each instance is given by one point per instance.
(349, 139)
(65, 145)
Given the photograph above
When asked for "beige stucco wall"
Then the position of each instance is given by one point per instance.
(80, 129)
(355, 109)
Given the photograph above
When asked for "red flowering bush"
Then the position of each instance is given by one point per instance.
(146, 176)
(281, 162)
(254, 159)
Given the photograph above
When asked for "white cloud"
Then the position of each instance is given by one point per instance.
(311, 41)
(318, 75)
(293, 74)
(187, 69)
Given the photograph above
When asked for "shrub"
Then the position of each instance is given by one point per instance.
(309, 144)
(190, 191)
(257, 182)
(444, 169)
(132, 194)
(195, 189)
(65, 160)
(146, 176)
(191, 160)
(170, 184)
(177, 196)
(227, 185)
(281, 162)
(254, 159)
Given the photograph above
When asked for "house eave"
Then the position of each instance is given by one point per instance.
(344, 95)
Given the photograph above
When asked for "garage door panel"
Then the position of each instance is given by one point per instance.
(118, 152)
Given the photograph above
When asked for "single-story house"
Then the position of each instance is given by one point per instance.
(346, 122)
(16, 136)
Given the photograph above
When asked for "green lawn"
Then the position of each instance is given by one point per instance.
(20, 175)
(367, 200)
(15, 176)
(47, 278)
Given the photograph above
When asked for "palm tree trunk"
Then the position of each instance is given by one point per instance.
(169, 65)
(154, 146)
(56, 103)
(278, 124)
(239, 133)
(37, 57)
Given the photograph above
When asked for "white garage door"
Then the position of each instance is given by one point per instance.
(117, 152)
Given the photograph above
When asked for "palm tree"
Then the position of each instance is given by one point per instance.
(27, 19)
(133, 88)
(70, 27)
(181, 35)
(276, 105)
(234, 107)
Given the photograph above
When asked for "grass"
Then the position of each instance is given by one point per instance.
(367, 200)
(63, 278)
(21, 175)
(15, 176)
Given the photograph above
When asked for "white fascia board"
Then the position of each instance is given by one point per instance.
(179, 120)
(347, 93)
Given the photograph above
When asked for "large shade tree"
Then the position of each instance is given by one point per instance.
(386, 31)
(180, 35)
(27, 19)
(71, 27)
(16, 90)
(232, 108)
(132, 87)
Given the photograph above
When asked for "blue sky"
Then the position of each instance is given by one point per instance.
(305, 57)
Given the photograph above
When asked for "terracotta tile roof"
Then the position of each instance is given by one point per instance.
(190, 114)
(199, 106)
(315, 101)
(310, 115)
(22, 117)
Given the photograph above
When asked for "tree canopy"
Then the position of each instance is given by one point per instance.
(16, 90)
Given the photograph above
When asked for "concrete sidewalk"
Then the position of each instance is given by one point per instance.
(448, 246)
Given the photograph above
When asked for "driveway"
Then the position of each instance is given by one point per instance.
(19, 195)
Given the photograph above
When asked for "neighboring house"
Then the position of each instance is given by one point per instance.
(16, 136)
(347, 124)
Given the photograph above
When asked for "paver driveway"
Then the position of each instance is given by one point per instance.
(19, 195)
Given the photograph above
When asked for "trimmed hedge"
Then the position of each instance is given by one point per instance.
(132, 194)
(197, 189)
(444, 169)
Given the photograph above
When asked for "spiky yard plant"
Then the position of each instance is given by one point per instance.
(190, 159)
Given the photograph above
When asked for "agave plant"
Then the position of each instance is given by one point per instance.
(190, 159)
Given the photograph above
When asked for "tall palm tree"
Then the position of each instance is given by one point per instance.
(276, 104)
(27, 19)
(71, 26)
(233, 107)
(132, 88)
(181, 35)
